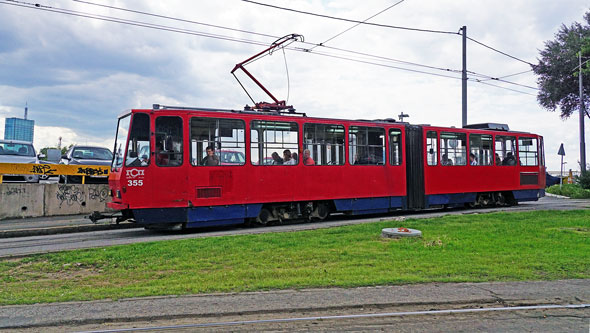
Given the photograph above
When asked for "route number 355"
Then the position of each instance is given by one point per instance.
(135, 182)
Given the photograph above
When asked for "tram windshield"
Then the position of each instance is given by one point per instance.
(138, 149)
(120, 140)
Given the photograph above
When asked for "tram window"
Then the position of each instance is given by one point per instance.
(527, 151)
(168, 141)
(480, 145)
(505, 150)
(453, 148)
(273, 142)
(138, 149)
(431, 148)
(325, 143)
(366, 145)
(225, 136)
(395, 147)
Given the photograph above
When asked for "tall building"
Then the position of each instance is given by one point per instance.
(19, 129)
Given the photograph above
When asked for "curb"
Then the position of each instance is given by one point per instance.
(64, 230)
(556, 196)
(213, 305)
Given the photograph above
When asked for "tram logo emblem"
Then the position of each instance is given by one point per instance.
(134, 173)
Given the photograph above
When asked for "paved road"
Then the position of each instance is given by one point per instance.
(218, 310)
(58, 242)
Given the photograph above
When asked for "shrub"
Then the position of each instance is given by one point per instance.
(573, 191)
(584, 180)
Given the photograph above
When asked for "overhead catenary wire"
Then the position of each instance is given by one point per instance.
(175, 18)
(128, 22)
(384, 65)
(493, 85)
(487, 78)
(314, 45)
(354, 21)
(509, 75)
(390, 26)
(496, 50)
(233, 39)
(381, 58)
(197, 33)
(356, 25)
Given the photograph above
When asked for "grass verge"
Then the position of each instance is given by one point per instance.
(543, 245)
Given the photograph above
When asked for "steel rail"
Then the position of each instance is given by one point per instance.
(368, 315)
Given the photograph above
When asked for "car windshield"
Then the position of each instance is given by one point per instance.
(92, 153)
(233, 157)
(18, 149)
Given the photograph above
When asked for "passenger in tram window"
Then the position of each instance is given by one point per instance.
(288, 158)
(161, 159)
(445, 160)
(276, 159)
(472, 159)
(509, 159)
(358, 159)
(307, 160)
(498, 160)
(295, 157)
(211, 159)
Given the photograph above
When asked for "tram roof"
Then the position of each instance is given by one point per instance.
(493, 127)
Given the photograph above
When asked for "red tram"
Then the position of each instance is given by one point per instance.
(162, 178)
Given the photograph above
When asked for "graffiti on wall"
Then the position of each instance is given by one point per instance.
(42, 169)
(101, 194)
(70, 195)
(15, 191)
(88, 171)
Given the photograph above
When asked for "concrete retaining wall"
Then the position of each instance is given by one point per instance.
(34, 200)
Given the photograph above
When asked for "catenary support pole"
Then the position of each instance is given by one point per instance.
(464, 79)
(582, 112)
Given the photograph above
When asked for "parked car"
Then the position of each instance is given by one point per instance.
(232, 157)
(86, 155)
(13, 151)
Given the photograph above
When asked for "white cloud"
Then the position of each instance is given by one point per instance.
(79, 74)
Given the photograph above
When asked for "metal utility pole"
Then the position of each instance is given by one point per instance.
(582, 112)
(464, 78)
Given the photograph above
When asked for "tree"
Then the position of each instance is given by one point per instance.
(557, 69)
(64, 150)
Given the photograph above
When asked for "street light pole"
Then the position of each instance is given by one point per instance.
(582, 112)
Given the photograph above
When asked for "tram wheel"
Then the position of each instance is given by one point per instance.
(264, 216)
(322, 211)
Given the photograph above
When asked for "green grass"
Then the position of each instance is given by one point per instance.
(573, 191)
(479, 247)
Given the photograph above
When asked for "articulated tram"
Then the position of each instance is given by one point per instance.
(194, 167)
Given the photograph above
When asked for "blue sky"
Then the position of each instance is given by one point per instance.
(78, 74)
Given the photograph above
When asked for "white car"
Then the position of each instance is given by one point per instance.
(13, 151)
(86, 155)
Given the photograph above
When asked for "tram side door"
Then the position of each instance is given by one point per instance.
(168, 176)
